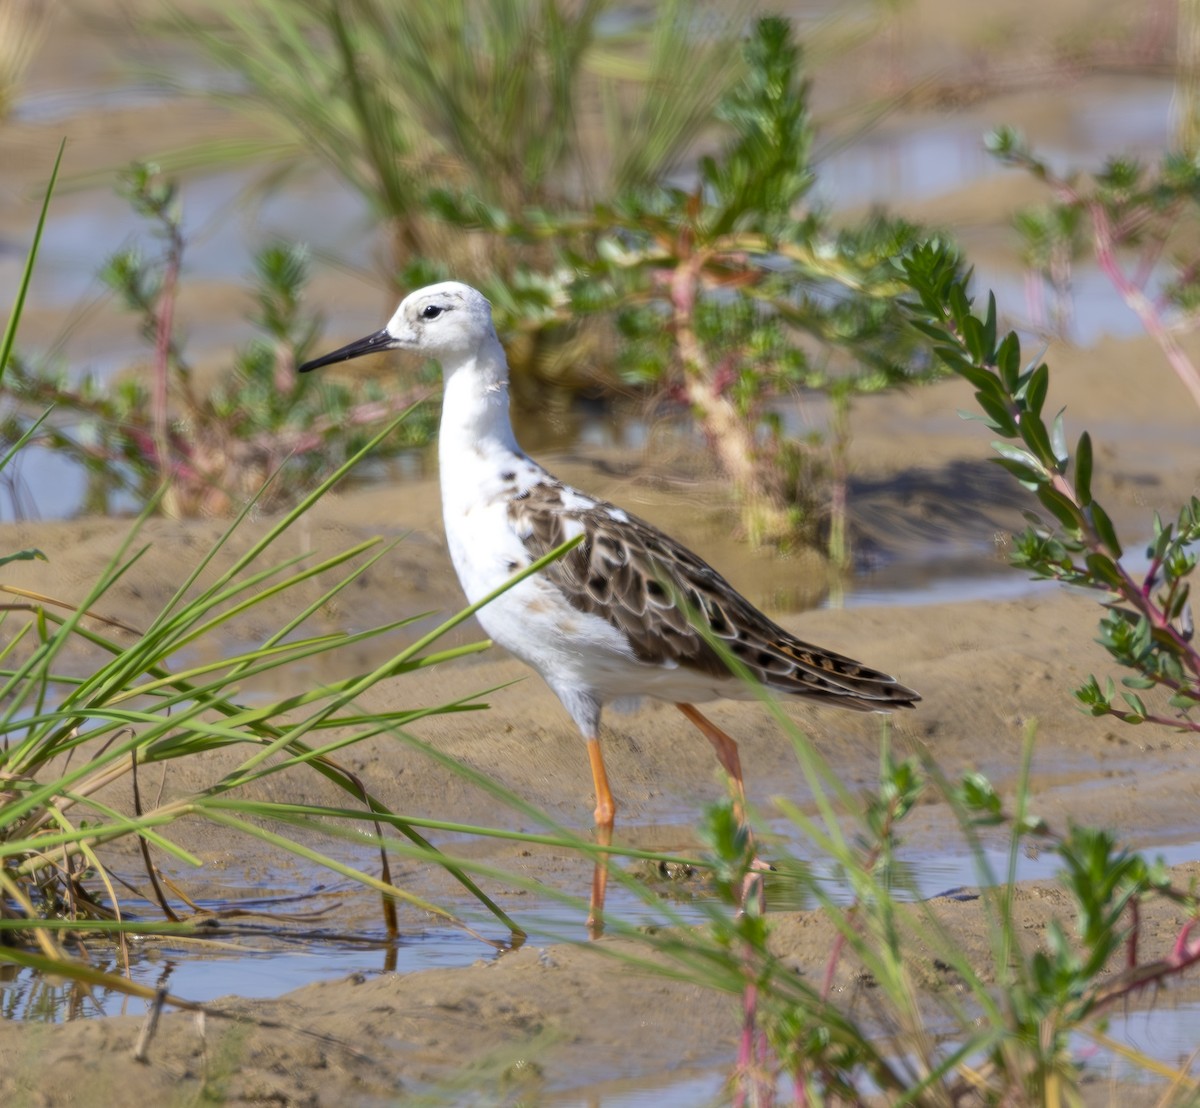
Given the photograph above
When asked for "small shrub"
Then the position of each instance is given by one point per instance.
(260, 432)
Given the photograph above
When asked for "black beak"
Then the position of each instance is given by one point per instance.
(381, 340)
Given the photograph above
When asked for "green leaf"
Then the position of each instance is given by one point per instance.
(989, 335)
(1064, 510)
(935, 331)
(973, 339)
(1008, 361)
(960, 304)
(999, 418)
(1135, 702)
(1104, 569)
(1017, 454)
(979, 796)
(1083, 470)
(953, 357)
(10, 330)
(1031, 478)
(1058, 439)
(1033, 431)
(1104, 529)
(985, 381)
(30, 555)
(1036, 387)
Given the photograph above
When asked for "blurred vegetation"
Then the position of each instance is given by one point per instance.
(1018, 1023)
(733, 294)
(517, 101)
(638, 225)
(257, 431)
(537, 157)
(903, 1012)
(24, 25)
(1140, 223)
(67, 740)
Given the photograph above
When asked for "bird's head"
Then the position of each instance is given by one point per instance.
(449, 321)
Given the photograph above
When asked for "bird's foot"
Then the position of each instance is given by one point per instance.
(754, 889)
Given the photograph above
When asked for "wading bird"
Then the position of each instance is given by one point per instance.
(628, 612)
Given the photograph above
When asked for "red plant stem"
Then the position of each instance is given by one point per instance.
(1184, 955)
(1151, 574)
(831, 966)
(753, 1050)
(1180, 724)
(1150, 256)
(162, 367)
(746, 1059)
(1135, 594)
(1139, 302)
(1186, 950)
(732, 440)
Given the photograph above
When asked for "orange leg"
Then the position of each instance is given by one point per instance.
(727, 755)
(606, 811)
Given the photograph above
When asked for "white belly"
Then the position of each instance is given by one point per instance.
(576, 652)
(532, 619)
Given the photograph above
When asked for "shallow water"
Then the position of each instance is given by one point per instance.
(933, 154)
(265, 965)
(1167, 1035)
(263, 960)
(188, 972)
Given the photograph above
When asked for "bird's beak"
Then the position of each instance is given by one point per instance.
(381, 340)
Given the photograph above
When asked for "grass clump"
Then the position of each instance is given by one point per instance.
(72, 731)
(67, 740)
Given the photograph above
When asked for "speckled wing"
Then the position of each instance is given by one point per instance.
(646, 585)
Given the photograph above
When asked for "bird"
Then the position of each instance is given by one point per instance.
(628, 612)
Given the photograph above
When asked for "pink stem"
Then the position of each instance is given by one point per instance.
(746, 1060)
(1139, 302)
(162, 358)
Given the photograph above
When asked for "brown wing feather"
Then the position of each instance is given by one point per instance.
(646, 584)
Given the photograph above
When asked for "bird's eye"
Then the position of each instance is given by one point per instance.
(432, 311)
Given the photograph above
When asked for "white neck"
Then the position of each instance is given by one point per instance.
(475, 420)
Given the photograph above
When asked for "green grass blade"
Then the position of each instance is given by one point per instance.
(14, 319)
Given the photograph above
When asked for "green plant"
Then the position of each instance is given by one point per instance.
(900, 1011)
(1006, 1032)
(1147, 626)
(260, 431)
(499, 97)
(1138, 216)
(68, 739)
(731, 294)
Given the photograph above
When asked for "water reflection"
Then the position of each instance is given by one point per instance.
(204, 975)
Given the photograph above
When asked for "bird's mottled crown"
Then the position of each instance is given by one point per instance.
(445, 319)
